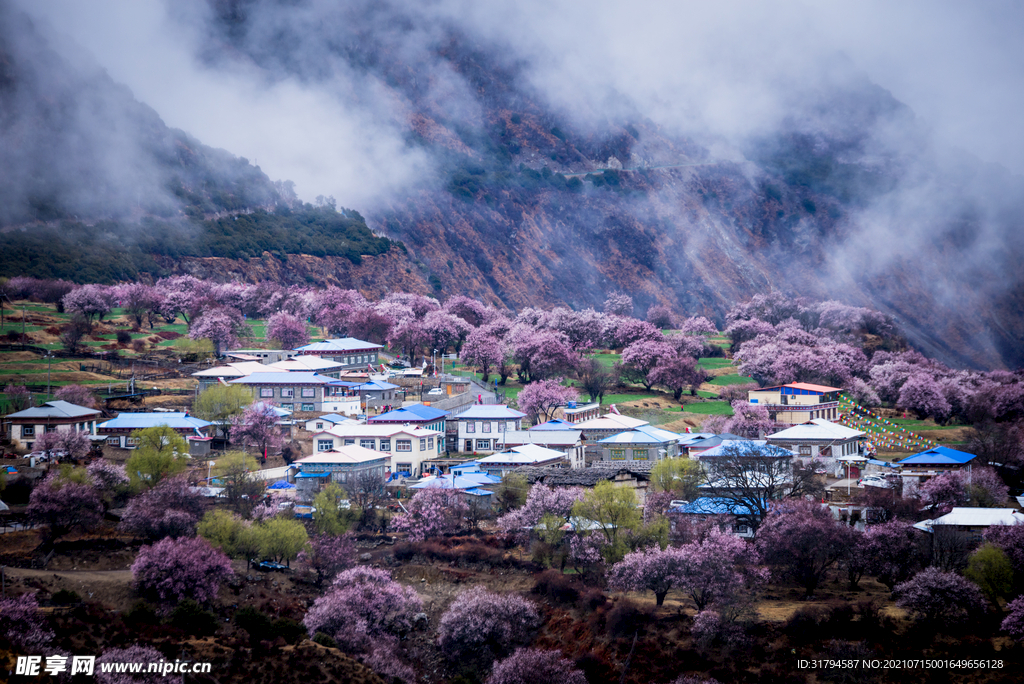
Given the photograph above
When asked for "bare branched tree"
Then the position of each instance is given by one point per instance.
(751, 475)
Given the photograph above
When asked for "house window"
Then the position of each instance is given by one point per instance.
(266, 392)
(471, 426)
(487, 426)
(740, 529)
(483, 444)
(639, 454)
(324, 444)
(805, 450)
(501, 426)
(113, 441)
(385, 445)
(403, 445)
(51, 428)
(618, 454)
(287, 392)
(309, 407)
(423, 444)
(319, 426)
(430, 443)
(367, 443)
(309, 392)
(131, 442)
(349, 442)
(404, 467)
(288, 406)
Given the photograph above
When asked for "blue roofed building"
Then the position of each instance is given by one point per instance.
(415, 414)
(730, 516)
(919, 468)
(118, 432)
(24, 427)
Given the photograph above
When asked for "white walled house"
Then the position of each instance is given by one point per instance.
(26, 426)
(405, 446)
(481, 427)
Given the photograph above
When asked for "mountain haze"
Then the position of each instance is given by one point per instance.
(526, 192)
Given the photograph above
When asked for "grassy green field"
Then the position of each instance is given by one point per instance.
(709, 408)
(608, 360)
(711, 363)
(731, 379)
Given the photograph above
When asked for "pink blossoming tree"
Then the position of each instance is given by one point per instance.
(175, 569)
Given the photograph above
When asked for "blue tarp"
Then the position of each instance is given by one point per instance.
(282, 484)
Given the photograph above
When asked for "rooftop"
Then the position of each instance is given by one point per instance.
(746, 447)
(415, 413)
(351, 454)
(282, 378)
(490, 412)
(817, 429)
(141, 421)
(817, 389)
(522, 455)
(939, 455)
(56, 409)
(379, 430)
(339, 345)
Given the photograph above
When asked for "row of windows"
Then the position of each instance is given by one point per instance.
(128, 441)
(481, 444)
(30, 430)
(385, 444)
(361, 358)
(485, 427)
(302, 407)
(288, 393)
(638, 454)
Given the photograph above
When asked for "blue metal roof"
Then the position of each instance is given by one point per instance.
(176, 420)
(710, 505)
(417, 413)
(939, 455)
(375, 386)
(556, 424)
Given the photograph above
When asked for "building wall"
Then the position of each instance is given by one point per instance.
(291, 397)
(25, 435)
(480, 436)
(419, 448)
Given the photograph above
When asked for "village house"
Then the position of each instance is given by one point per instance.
(594, 430)
(348, 351)
(797, 402)
(119, 430)
(24, 427)
(293, 391)
(219, 375)
(406, 446)
(327, 421)
(574, 412)
(342, 465)
(477, 486)
(309, 364)
(696, 443)
(419, 415)
(568, 442)
(821, 439)
(919, 468)
(479, 426)
(526, 455)
(954, 535)
(723, 512)
(341, 396)
(636, 476)
(645, 443)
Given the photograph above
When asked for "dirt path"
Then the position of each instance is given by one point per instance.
(110, 587)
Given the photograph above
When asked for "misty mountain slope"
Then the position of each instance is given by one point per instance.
(532, 192)
(845, 197)
(75, 143)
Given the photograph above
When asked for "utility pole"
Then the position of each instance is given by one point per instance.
(49, 360)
